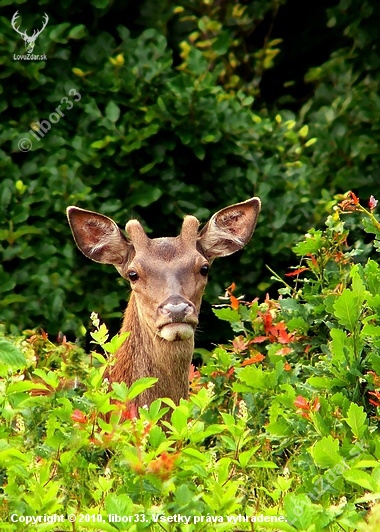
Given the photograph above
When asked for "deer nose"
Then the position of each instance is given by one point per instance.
(176, 311)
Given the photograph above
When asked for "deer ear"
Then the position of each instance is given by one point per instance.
(98, 237)
(230, 229)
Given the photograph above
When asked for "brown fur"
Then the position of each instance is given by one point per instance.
(147, 355)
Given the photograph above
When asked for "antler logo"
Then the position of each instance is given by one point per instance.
(29, 41)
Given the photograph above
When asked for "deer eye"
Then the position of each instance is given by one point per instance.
(133, 276)
(204, 270)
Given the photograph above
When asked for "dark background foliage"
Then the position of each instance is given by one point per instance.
(185, 107)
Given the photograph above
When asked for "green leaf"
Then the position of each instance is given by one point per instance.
(100, 144)
(370, 330)
(325, 382)
(374, 360)
(341, 347)
(199, 151)
(264, 464)
(12, 456)
(115, 343)
(183, 495)
(140, 386)
(10, 355)
(245, 456)
(279, 428)
(361, 478)
(357, 420)
(121, 390)
(347, 309)
(56, 33)
(195, 454)
(257, 378)
(101, 335)
(147, 167)
(25, 386)
(77, 32)
(299, 509)
(112, 111)
(49, 377)
(228, 419)
(119, 504)
(227, 314)
(313, 243)
(365, 464)
(24, 230)
(179, 418)
(143, 194)
(325, 452)
(13, 298)
(211, 430)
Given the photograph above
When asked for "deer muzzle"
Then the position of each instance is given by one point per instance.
(177, 320)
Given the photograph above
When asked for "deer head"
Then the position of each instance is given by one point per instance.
(29, 41)
(167, 277)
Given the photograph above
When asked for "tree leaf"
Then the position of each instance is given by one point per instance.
(140, 386)
(347, 309)
(112, 111)
(325, 452)
(357, 420)
(361, 478)
(10, 355)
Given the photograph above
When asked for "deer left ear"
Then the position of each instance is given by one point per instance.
(98, 237)
(230, 229)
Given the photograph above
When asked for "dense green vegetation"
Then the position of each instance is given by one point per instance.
(155, 110)
(281, 424)
(165, 114)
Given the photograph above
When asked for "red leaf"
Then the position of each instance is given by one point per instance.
(267, 320)
(296, 272)
(284, 351)
(354, 198)
(301, 402)
(234, 302)
(376, 401)
(313, 260)
(284, 337)
(279, 334)
(316, 405)
(256, 358)
(193, 373)
(231, 288)
(239, 343)
(230, 372)
(78, 416)
(259, 339)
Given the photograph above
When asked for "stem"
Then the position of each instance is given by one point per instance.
(370, 215)
(278, 278)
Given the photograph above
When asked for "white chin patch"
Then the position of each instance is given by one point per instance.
(176, 331)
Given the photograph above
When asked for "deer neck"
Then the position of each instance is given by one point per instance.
(145, 354)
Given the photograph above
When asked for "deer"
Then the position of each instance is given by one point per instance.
(167, 277)
(29, 41)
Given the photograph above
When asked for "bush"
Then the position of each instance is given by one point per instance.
(281, 422)
(162, 114)
(344, 113)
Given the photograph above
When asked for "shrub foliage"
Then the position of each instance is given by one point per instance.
(163, 113)
(282, 422)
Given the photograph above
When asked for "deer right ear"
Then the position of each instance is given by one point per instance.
(229, 229)
(98, 237)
